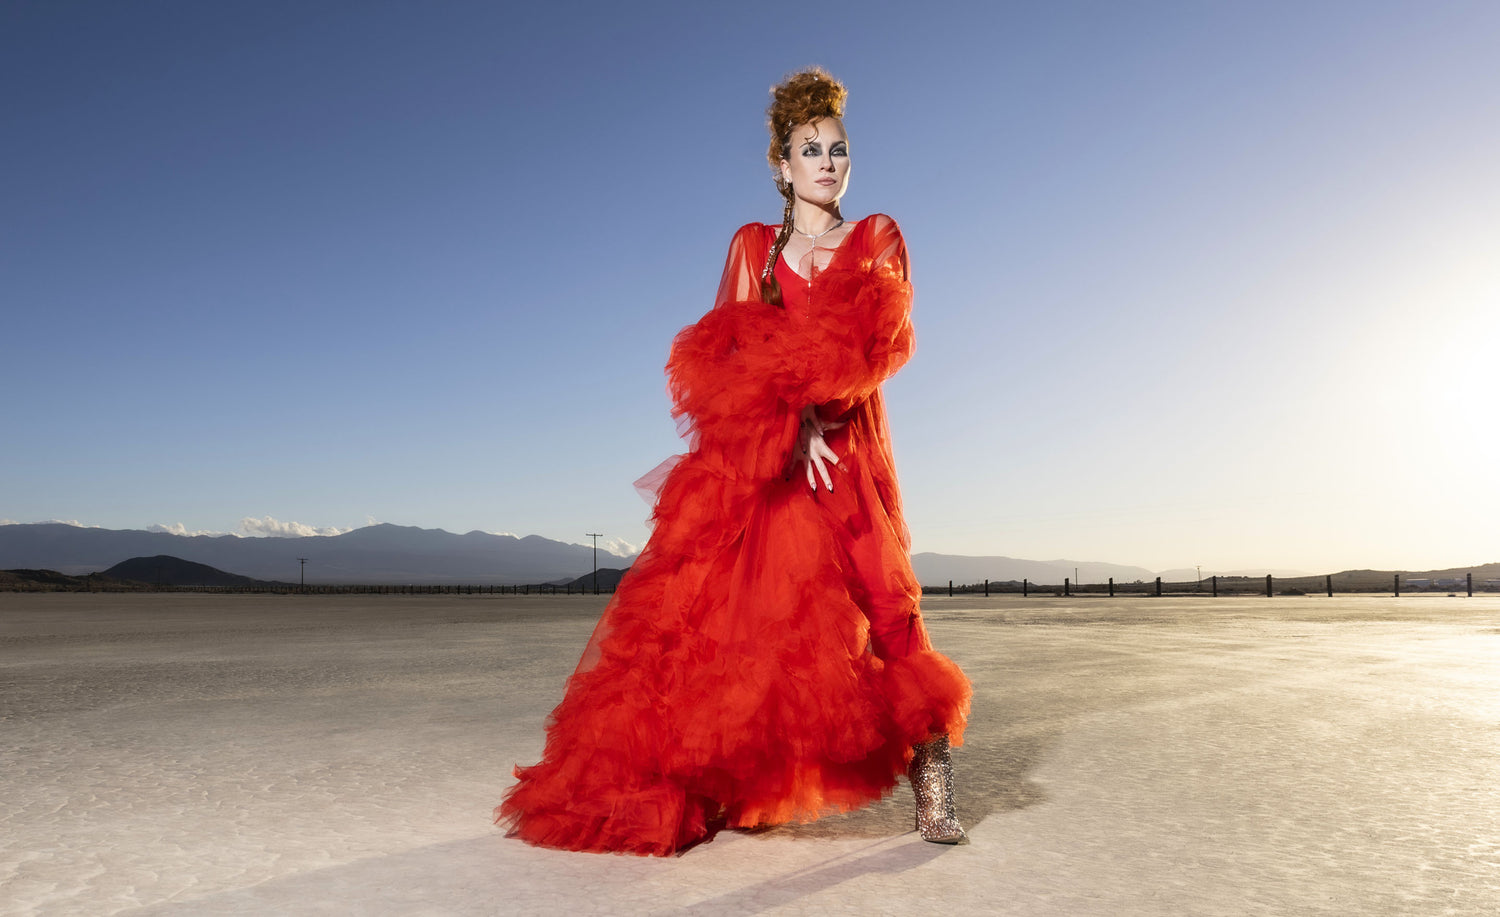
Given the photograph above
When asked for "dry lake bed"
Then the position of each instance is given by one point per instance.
(200, 755)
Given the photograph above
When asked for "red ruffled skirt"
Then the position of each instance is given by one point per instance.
(763, 661)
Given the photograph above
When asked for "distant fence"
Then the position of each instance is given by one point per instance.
(1209, 586)
(310, 589)
(1231, 585)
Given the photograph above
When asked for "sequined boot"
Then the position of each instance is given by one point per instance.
(931, 776)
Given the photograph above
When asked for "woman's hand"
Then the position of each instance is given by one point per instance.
(813, 451)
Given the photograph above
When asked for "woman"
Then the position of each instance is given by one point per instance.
(765, 660)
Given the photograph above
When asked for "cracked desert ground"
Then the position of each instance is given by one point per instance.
(200, 755)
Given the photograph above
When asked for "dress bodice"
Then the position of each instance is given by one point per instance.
(794, 289)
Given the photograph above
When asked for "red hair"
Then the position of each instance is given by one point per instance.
(800, 98)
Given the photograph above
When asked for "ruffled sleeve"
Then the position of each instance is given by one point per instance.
(742, 368)
(718, 372)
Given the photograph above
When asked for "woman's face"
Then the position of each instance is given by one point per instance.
(817, 164)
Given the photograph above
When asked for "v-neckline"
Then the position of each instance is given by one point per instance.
(837, 249)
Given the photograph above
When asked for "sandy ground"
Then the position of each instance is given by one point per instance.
(175, 755)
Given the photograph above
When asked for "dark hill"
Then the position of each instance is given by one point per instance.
(609, 578)
(37, 577)
(53, 581)
(164, 570)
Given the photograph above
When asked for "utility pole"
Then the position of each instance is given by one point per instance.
(302, 585)
(1200, 577)
(596, 536)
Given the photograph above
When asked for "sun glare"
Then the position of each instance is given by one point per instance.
(1462, 384)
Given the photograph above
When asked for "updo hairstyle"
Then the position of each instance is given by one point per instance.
(802, 97)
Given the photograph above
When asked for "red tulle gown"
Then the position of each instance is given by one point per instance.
(764, 660)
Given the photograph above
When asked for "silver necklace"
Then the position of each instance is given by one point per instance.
(816, 236)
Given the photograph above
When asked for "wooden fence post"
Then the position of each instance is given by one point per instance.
(1268, 584)
(1330, 585)
(986, 588)
(1025, 587)
(1398, 585)
(1215, 580)
(1067, 587)
(1158, 585)
(1470, 577)
(950, 589)
(1111, 586)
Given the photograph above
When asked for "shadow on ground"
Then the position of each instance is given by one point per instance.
(879, 858)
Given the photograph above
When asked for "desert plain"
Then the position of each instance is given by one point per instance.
(181, 754)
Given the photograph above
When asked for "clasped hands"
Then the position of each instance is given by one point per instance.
(812, 451)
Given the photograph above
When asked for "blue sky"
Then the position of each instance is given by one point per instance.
(1197, 283)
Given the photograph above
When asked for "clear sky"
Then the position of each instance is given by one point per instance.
(1197, 283)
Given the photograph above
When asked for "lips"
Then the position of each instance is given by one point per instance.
(828, 181)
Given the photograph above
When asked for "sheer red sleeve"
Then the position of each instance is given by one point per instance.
(743, 265)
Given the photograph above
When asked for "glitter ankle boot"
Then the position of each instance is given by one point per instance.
(931, 776)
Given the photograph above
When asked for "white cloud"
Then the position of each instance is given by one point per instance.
(502, 534)
(177, 528)
(270, 527)
(621, 547)
(73, 522)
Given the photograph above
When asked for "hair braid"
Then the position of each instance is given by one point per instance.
(770, 287)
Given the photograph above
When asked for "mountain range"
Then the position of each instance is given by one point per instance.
(375, 555)
(388, 554)
(395, 554)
